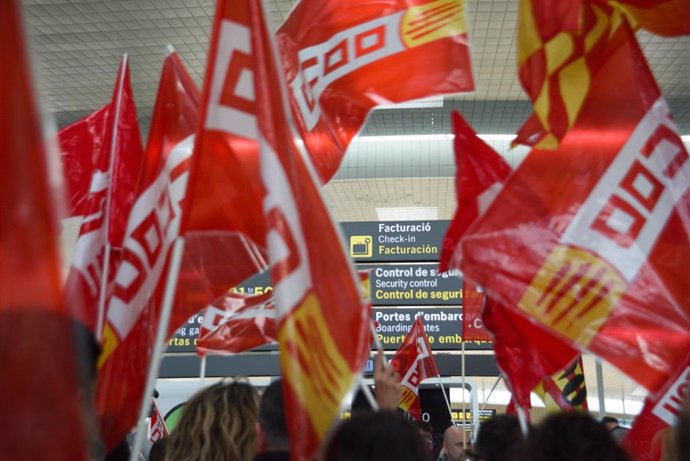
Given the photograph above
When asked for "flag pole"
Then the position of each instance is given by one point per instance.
(600, 387)
(367, 393)
(108, 201)
(464, 407)
(491, 391)
(450, 411)
(163, 321)
(202, 371)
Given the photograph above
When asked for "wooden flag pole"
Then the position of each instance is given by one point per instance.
(159, 344)
(108, 201)
(450, 411)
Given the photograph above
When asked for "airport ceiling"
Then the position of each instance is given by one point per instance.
(78, 44)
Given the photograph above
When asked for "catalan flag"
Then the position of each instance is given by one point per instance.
(560, 47)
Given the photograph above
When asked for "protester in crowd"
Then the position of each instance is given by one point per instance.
(272, 434)
(573, 437)
(217, 424)
(453, 449)
(376, 436)
(617, 432)
(157, 452)
(426, 431)
(499, 439)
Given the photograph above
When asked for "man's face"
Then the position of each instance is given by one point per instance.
(453, 445)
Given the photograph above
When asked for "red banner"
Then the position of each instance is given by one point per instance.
(644, 441)
(237, 324)
(111, 191)
(44, 388)
(472, 305)
(344, 57)
(592, 240)
(414, 362)
(153, 226)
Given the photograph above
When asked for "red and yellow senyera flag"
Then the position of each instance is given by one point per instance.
(591, 240)
(560, 47)
(344, 57)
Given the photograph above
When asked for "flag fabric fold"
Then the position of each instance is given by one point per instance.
(153, 226)
(414, 362)
(45, 380)
(237, 324)
(115, 164)
(343, 58)
(566, 390)
(594, 249)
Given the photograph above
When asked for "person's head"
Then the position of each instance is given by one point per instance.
(573, 437)
(157, 452)
(452, 444)
(610, 423)
(376, 436)
(499, 439)
(425, 430)
(217, 424)
(272, 427)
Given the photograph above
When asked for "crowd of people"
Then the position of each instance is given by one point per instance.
(230, 421)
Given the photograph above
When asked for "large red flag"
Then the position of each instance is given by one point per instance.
(414, 362)
(153, 226)
(116, 163)
(240, 323)
(43, 412)
(344, 57)
(323, 322)
(645, 439)
(592, 240)
(480, 175)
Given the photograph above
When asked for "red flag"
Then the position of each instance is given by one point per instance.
(663, 17)
(81, 146)
(591, 240)
(472, 305)
(344, 57)
(480, 173)
(644, 441)
(111, 192)
(415, 363)
(240, 323)
(323, 323)
(157, 428)
(42, 403)
(153, 225)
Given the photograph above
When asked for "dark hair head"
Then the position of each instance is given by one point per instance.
(499, 439)
(609, 419)
(272, 417)
(573, 437)
(157, 452)
(380, 436)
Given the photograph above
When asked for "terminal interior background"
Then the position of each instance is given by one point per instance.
(399, 168)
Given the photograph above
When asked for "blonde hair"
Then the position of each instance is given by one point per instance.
(217, 424)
